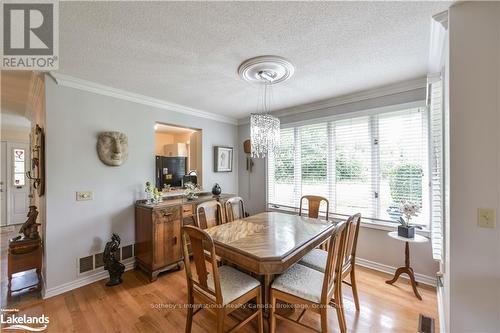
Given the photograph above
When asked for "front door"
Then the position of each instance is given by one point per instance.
(17, 183)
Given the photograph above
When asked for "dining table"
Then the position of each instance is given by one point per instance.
(268, 243)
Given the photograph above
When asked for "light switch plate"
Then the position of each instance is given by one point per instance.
(486, 217)
(84, 196)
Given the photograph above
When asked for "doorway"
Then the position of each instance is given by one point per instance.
(14, 147)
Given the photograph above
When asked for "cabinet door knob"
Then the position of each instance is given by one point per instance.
(175, 240)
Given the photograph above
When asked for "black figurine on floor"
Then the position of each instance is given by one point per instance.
(111, 264)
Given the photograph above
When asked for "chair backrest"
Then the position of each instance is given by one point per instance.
(314, 201)
(235, 209)
(335, 259)
(200, 242)
(352, 239)
(209, 214)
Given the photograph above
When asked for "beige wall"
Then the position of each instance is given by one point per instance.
(195, 160)
(182, 138)
(14, 135)
(162, 139)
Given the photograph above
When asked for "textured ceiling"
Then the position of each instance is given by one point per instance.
(188, 53)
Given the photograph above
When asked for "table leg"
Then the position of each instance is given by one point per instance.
(9, 294)
(266, 290)
(406, 270)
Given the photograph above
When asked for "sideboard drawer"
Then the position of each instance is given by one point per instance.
(187, 210)
(166, 215)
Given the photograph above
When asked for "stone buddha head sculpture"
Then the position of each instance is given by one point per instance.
(112, 148)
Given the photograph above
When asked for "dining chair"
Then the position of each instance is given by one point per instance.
(313, 204)
(314, 201)
(224, 289)
(316, 259)
(235, 209)
(313, 289)
(209, 214)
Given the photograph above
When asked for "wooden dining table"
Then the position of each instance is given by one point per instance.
(266, 244)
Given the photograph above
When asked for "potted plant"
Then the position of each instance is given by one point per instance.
(408, 209)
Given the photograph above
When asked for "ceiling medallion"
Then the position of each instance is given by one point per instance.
(264, 127)
(280, 69)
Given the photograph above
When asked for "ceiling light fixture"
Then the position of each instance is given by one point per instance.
(264, 127)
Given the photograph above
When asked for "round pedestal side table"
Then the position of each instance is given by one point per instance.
(407, 268)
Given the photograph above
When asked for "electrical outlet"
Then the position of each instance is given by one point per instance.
(486, 217)
(83, 196)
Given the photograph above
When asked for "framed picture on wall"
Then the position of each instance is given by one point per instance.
(223, 159)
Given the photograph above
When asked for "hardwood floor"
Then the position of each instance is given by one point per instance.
(140, 306)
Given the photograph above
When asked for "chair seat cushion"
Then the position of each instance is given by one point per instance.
(301, 281)
(233, 283)
(316, 259)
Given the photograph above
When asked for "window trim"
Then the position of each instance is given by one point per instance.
(354, 114)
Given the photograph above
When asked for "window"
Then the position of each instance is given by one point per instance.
(365, 164)
(19, 167)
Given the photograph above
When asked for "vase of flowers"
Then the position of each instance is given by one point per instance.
(408, 209)
(191, 191)
(157, 196)
(149, 193)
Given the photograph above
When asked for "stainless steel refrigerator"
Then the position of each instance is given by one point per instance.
(170, 171)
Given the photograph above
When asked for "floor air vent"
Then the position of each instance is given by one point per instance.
(127, 252)
(96, 261)
(86, 264)
(99, 262)
(425, 324)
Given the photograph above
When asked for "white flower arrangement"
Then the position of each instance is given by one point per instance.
(408, 209)
(191, 191)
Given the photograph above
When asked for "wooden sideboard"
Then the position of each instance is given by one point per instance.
(158, 232)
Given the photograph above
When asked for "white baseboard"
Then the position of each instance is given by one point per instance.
(82, 281)
(102, 274)
(420, 278)
(441, 308)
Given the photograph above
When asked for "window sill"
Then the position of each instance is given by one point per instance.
(377, 225)
(391, 227)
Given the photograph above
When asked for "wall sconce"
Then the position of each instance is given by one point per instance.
(247, 148)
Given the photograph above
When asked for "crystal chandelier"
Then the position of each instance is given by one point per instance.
(264, 127)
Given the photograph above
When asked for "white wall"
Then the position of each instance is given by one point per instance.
(374, 245)
(74, 119)
(474, 90)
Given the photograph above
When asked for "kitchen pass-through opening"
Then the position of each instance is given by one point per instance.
(178, 157)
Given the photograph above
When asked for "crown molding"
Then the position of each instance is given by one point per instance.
(93, 87)
(442, 18)
(386, 90)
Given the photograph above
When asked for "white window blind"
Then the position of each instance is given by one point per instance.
(353, 166)
(365, 164)
(437, 159)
